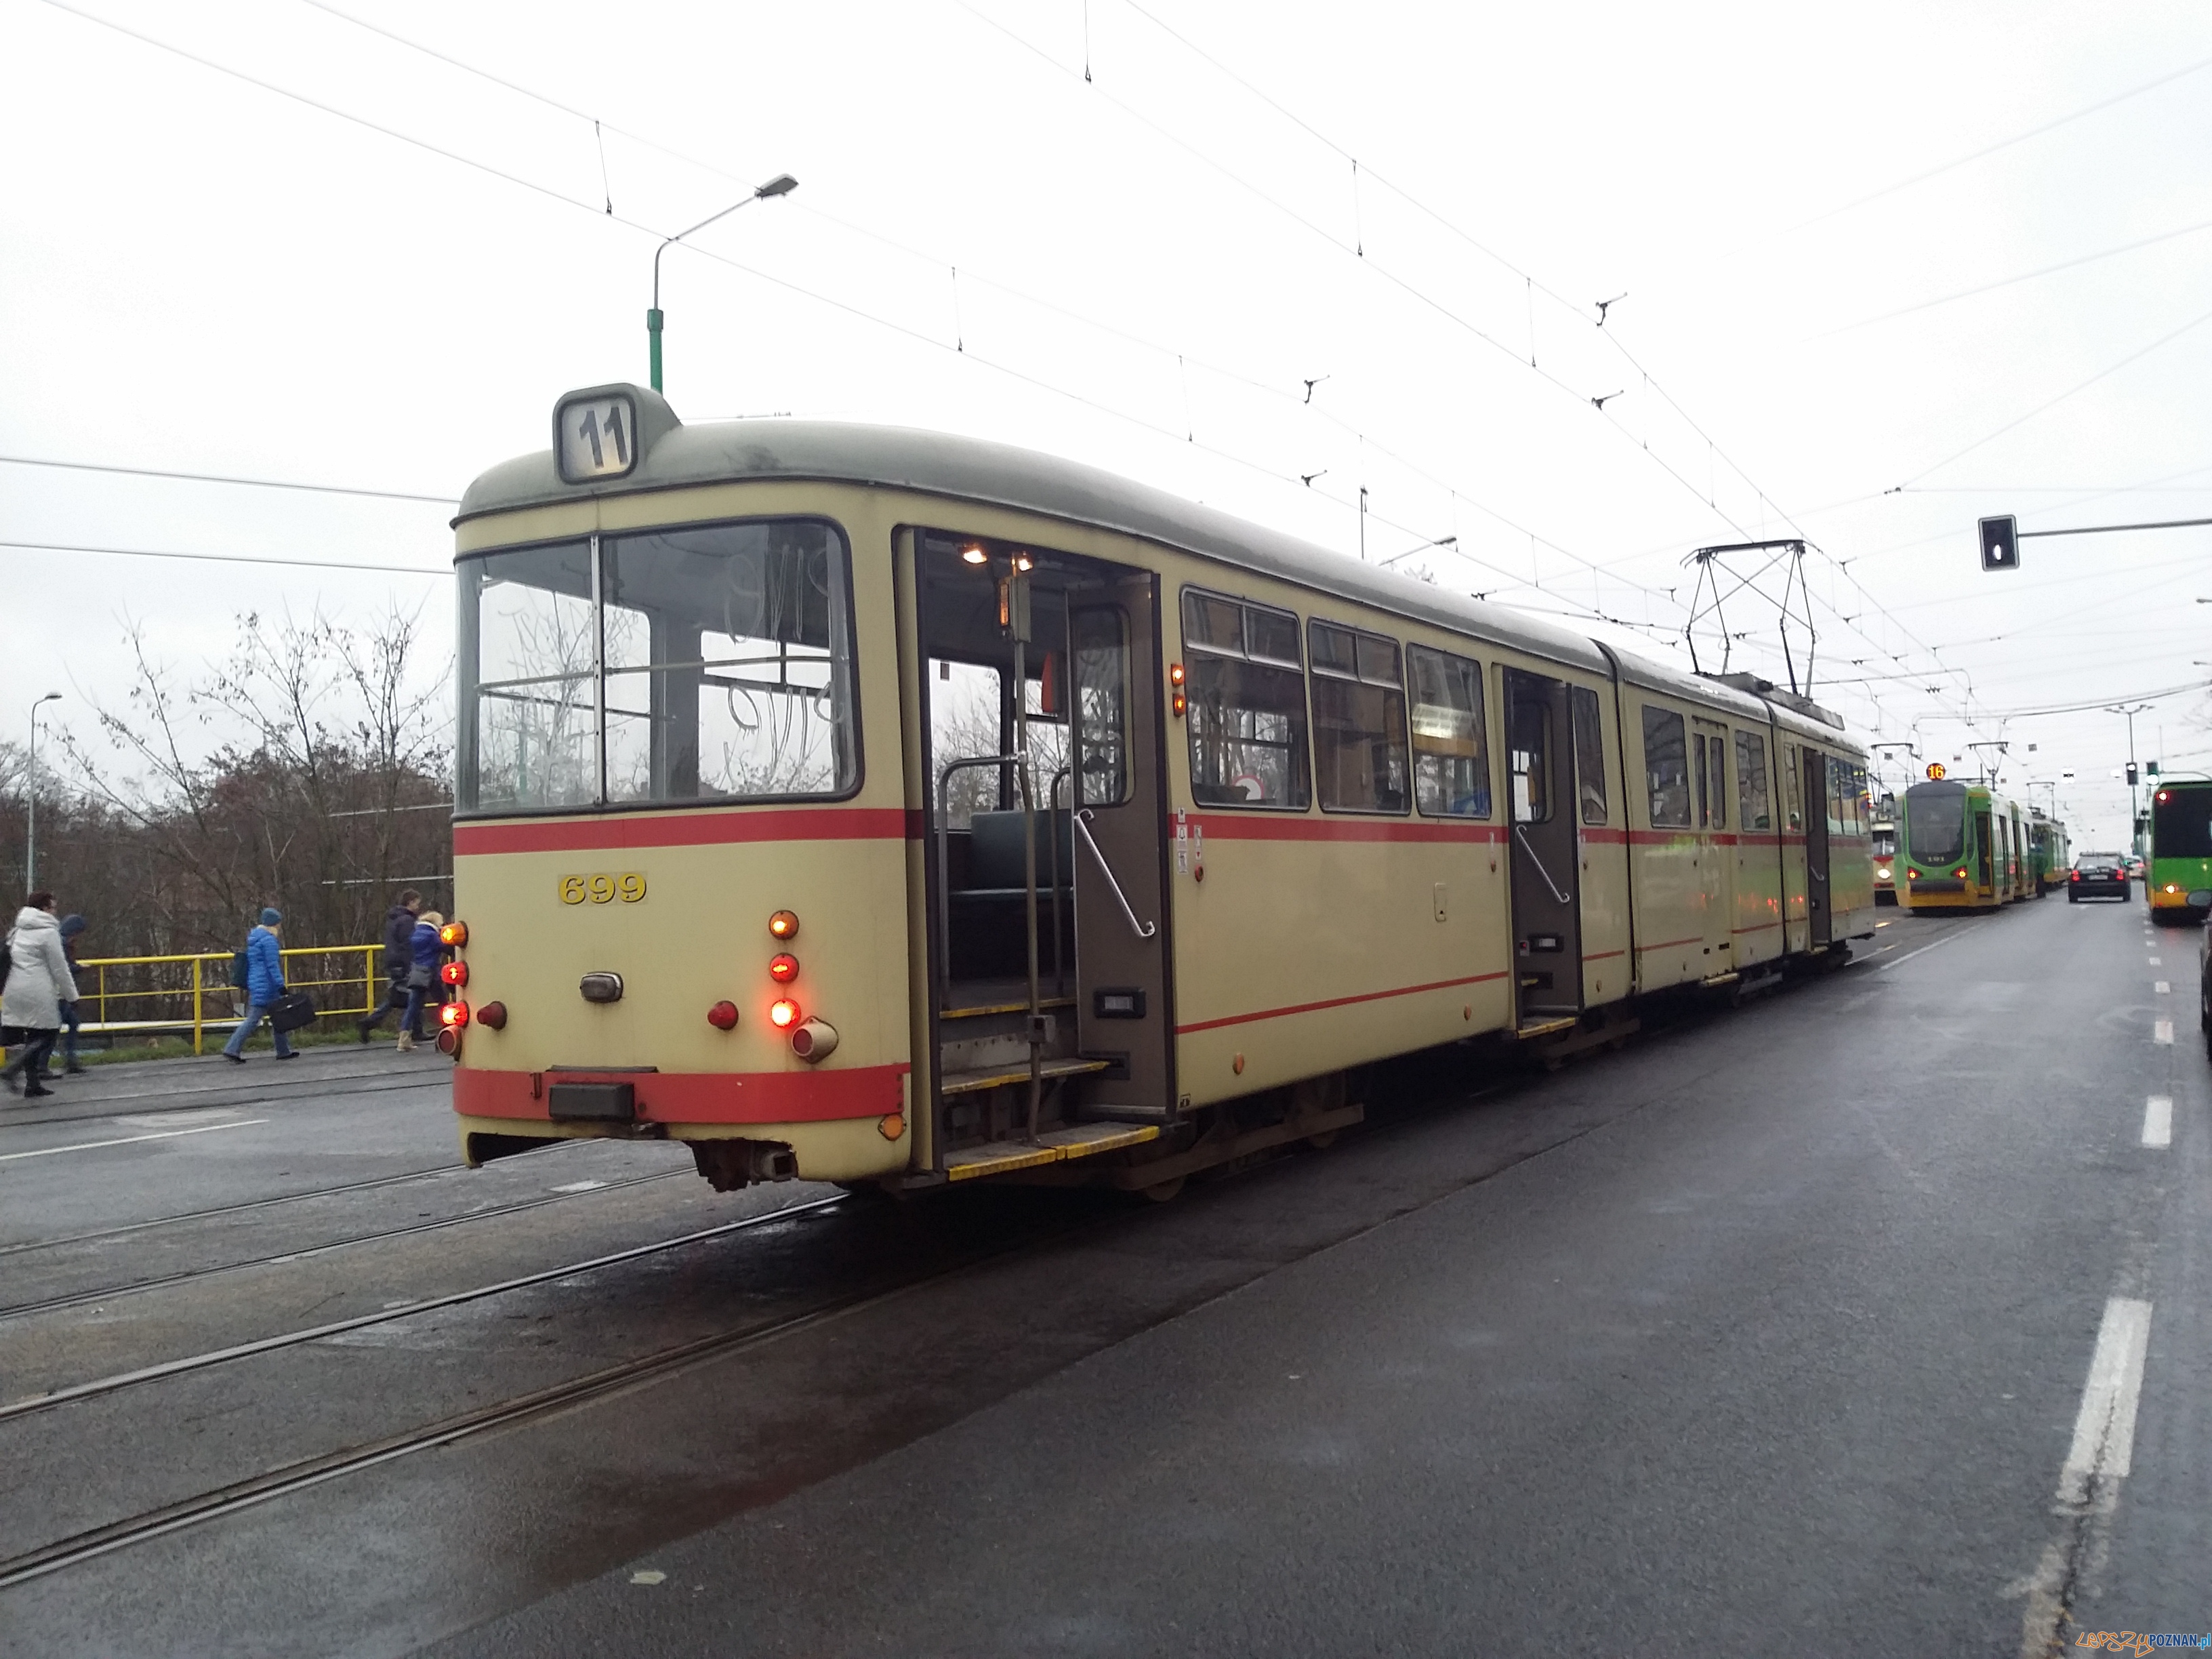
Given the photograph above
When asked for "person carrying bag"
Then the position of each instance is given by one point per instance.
(265, 990)
(422, 975)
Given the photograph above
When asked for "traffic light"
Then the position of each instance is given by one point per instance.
(2151, 768)
(2131, 775)
(2000, 543)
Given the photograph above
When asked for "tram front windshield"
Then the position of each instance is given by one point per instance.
(2181, 823)
(704, 663)
(1935, 823)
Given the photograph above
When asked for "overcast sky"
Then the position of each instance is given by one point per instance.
(203, 271)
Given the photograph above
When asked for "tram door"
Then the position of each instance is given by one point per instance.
(1981, 859)
(1817, 809)
(1715, 858)
(1123, 1011)
(1547, 911)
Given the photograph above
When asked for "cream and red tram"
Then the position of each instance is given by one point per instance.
(864, 804)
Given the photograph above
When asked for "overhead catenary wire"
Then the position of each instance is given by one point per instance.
(598, 211)
(223, 478)
(226, 558)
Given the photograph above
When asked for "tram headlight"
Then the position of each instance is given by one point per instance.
(1882, 873)
(783, 1013)
(784, 924)
(454, 973)
(783, 968)
(453, 1015)
(453, 934)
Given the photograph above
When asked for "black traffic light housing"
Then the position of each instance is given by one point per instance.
(2000, 543)
(2131, 775)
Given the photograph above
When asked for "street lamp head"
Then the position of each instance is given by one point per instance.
(782, 185)
(51, 697)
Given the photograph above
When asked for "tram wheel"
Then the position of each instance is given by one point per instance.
(1323, 1141)
(1163, 1192)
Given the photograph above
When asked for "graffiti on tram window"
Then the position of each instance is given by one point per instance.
(628, 885)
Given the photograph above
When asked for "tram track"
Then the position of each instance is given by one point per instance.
(303, 1473)
(53, 1398)
(129, 1227)
(112, 1293)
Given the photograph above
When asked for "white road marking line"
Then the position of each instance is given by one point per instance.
(2162, 1032)
(577, 1187)
(2158, 1120)
(2156, 962)
(2105, 1430)
(166, 1134)
(2161, 987)
(1884, 967)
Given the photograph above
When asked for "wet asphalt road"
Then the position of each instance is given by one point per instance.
(1769, 1334)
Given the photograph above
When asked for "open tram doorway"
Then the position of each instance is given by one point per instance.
(1045, 844)
(1817, 810)
(1546, 863)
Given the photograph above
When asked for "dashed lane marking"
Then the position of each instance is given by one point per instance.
(166, 1134)
(2156, 962)
(2158, 1120)
(2162, 1032)
(2161, 987)
(576, 1187)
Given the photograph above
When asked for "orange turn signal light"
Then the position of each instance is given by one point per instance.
(784, 924)
(454, 973)
(454, 934)
(453, 1015)
(783, 968)
(783, 1013)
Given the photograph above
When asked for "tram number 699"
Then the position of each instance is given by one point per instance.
(602, 888)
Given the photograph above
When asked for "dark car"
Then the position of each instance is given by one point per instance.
(2098, 875)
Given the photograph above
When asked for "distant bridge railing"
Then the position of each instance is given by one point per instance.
(159, 995)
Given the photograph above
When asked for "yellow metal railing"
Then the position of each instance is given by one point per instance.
(193, 992)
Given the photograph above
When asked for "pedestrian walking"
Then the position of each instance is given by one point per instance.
(264, 984)
(399, 957)
(73, 928)
(39, 983)
(425, 954)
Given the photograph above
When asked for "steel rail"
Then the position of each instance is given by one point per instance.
(129, 1227)
(167, 1368)
(114, 1294)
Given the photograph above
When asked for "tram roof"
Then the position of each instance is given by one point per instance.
(977, 469)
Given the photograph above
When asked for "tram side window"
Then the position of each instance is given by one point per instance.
(1792, 786)
(1753, 810)
(1666, 767)
(1360, 760)
(1839, 797)
(1451, 755)
(1246, 695)
(1590, 752)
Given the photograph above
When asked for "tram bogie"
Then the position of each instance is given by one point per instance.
(876, 806)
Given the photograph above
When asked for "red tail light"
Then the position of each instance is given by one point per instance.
(783, 1013)
(453, 1015)
(454, 973)
(723, 1017)
(493, 1014)
(783, 968)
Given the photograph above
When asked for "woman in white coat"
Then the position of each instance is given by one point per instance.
(39, 983)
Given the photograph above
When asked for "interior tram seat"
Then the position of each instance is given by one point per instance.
(985, 908)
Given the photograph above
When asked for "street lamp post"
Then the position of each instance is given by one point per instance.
(2131, 710)
(782, 185)
(30, 800)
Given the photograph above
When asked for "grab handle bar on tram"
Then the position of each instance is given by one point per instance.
(1144, 929)
(1521, 834)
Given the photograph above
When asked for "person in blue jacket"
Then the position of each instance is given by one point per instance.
(422, 976)
(265, 983)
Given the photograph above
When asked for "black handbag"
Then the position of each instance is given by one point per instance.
(292, 1011)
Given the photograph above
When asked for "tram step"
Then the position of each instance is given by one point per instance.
(994, 1077)
(1053, 1146)
(1544, 1028)
(1720, 979)
(1005, 1048)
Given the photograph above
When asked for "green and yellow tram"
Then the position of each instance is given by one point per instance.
(1963, 847)
(2179, 870)
(2050, 851)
